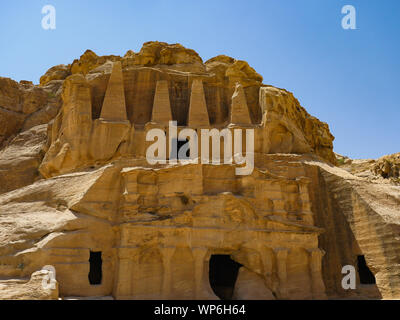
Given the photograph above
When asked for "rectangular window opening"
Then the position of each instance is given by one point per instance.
(95, 273)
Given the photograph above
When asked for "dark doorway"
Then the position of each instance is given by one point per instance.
(366, 276)
(223, 272)
(95, 273)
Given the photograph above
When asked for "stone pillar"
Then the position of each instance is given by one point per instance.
(198, 113)
(167, 253)
(281, 260)
(123, 286)
(318, 286)
(303, 189)
(239, 109)
(161, 106)
(114, 107)
(199, 255)
(308, 216)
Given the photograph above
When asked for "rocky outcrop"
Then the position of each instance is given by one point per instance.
(232, 70)
(160, 53)
(77, 192)
(384, 170)
(20, 160)
(290, 129)
(89, 61)
(29, 290)
(59, 72)
(24, 105)
(151, 54)
(388, 167)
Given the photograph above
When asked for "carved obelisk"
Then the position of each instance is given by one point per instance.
(198, 114)
(161, 106)
(239, 109)
(114, 107)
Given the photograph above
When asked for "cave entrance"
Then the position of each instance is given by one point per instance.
(223, 272)
(366, 276)
(95, 273)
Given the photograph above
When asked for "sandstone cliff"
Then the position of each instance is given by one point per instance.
(75, 184)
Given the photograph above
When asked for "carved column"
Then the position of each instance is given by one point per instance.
(123, 286)
(161, 106)
(303, 189)
(167, 253)
(114, 107)
(281, 260)
(198, 113)
(199, 255)
(305, 201)
(315, 262)
(239, 109)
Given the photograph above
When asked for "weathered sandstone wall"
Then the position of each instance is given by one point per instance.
(75, 185)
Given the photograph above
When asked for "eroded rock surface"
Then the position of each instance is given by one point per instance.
(24, 105)
(77, 192)
(20, 159)
(383, 170)
(31, 289)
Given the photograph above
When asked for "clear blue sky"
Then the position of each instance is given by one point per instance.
(348, 78)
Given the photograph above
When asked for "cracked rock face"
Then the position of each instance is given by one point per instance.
(24, 106)
(77, 193)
